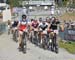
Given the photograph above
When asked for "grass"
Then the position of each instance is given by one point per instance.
(69, 46)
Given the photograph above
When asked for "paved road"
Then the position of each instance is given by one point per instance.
(9, 51)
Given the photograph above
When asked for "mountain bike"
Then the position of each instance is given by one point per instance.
(23, 42)
(15, 34)
(52, 42)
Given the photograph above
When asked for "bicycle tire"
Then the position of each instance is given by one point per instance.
(15, 36)
(24, 43)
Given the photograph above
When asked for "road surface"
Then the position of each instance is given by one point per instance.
(9, 51)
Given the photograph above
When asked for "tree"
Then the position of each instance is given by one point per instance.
(65, 2)
(8, 1)
(14, 3)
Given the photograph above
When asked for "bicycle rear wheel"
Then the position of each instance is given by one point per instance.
(15, 35)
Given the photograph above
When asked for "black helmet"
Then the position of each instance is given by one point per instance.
(32, 19)
(24, 16)
(40, 19)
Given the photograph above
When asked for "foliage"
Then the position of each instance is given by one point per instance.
(65, 2)
(14, 3)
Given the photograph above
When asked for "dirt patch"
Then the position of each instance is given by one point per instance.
(68, 16)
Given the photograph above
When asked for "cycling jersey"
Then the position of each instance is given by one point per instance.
(43, 26)
(23, 25)
(35, 24)
(54, 25)
(15, 23)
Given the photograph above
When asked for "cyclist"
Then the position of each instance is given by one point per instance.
(43, 26)
(54, 27)
(9, 26)
(34, 26)
(22, 26)
(14, 26)
(31, 24)
(48, 21)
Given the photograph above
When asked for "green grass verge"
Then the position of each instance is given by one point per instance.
(69, 46)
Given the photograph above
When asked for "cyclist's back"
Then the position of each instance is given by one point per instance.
(15, 23)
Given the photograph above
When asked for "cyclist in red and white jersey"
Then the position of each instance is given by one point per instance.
(22, 26)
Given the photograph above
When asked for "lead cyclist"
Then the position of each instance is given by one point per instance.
(22, 26)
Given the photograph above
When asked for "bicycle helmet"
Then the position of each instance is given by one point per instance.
(40, 19)
(24, 16)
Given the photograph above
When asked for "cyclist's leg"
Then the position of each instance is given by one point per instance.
(40, 38)
(52, 44)
(12, 29)
(31, 36)
(13, 32)
(29, 33)
(46, 39)
(20, 38)
(8, 29)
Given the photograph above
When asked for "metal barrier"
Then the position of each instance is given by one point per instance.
(2, 27)
(68, 34)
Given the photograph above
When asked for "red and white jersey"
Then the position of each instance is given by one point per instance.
(22, 25)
